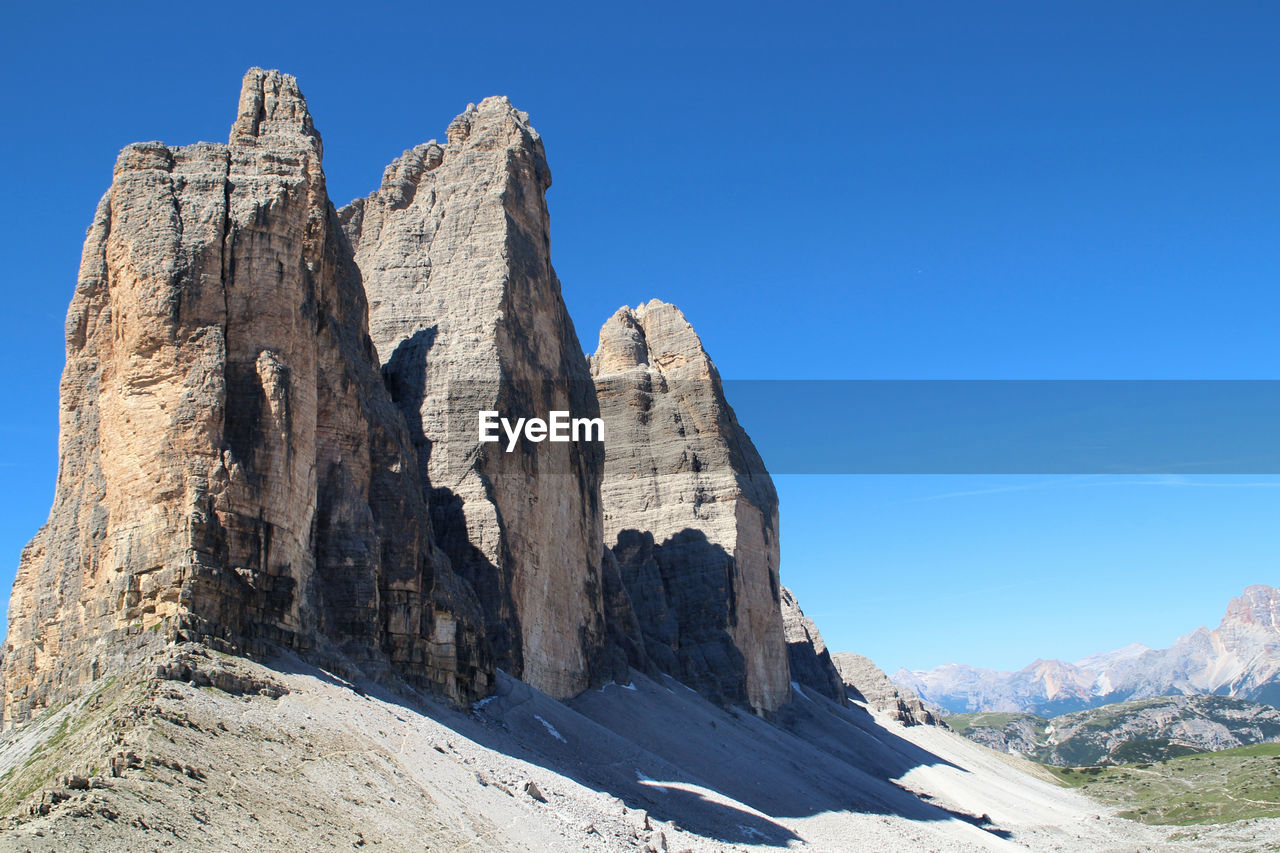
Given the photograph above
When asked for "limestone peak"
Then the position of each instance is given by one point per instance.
(655, 334)
(271, 104)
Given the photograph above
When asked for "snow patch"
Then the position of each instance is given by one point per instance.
(550, 728)
(651, 783)
(628, 686)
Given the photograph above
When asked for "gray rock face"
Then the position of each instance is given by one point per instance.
(865, 682)
(231, 467)
(689, 512)
(807, 655)
(466, 313)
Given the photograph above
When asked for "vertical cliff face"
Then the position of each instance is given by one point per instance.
(231, 467)
(690, 512)
(466, 313)
(807, 654)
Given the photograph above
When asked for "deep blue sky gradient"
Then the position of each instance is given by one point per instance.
(863, 190)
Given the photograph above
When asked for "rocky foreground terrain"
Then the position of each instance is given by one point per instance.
(1127, 732)
(1240, 658)
(292, 757)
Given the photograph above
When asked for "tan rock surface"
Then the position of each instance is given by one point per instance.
(230, 465)
(466, 313)
(689, 511)
(867, 683)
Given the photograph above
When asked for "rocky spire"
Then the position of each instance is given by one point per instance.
(690, 512)
(467, 316)
(231, 467)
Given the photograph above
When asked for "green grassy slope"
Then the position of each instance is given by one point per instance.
(1212, 787)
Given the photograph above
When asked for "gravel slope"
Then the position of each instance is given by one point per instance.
(331, 765)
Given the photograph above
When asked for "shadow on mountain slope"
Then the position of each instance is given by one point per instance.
(721, 773)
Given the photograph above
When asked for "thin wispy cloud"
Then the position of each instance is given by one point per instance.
(999, 490)
(1173, 481)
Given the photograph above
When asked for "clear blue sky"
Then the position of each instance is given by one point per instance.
(1079, 190)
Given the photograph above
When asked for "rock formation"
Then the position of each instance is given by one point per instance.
(231, 467)
(865, 682)
(689, 511)
(466, 313)
(807, 654)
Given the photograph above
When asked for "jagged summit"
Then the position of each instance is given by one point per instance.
(1259, 606)
(495, 110)
(654, 335)
(271, 104)
(503, 126)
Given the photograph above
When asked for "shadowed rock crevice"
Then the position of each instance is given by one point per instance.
(682, 594)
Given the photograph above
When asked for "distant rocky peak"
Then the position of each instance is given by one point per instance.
(1099, 662)
(1240, 658)
(1259, 605)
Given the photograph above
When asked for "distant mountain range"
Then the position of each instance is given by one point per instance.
(1240, 658)
(1141, 730)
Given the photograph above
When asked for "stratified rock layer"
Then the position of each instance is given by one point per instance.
(865, 682)
(689, 511)
(231, 467)
(466, 313)
(807, 654)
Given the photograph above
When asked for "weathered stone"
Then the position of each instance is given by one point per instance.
(807, 654)
(231, 467)
(467, 316)
(690, 512)
(865, 682)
